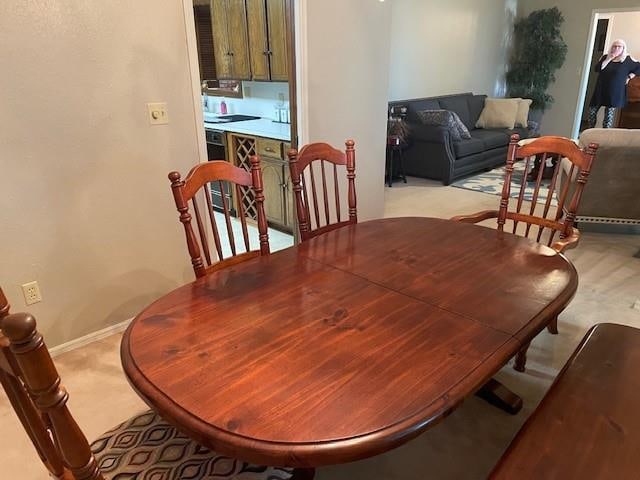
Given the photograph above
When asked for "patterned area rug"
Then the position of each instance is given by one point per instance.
(492, 181)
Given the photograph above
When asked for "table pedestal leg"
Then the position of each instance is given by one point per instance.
(500, 396)
(303, 474)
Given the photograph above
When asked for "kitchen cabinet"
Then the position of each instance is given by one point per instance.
(278, 203)
(273, 176)
(230, 39)
(268, 39)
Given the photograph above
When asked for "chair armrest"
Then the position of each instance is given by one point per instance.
(430, 133)
(476, 217)
(568, 242)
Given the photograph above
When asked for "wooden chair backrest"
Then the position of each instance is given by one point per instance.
(32, 384)
(303, 166)
(548, 222)
(198, 180)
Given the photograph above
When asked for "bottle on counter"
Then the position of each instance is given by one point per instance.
(223, 107)
(278, 114)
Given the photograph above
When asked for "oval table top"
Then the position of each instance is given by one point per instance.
(347, 345)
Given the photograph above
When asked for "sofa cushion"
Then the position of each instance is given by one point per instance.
(491, 138)
(465, 147)
(522, 114)
(459, 105)
(447, 119)
(476, 104)
(498, 113)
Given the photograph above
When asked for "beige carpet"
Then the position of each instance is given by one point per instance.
(465, 445)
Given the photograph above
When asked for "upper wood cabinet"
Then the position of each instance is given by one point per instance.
(230, 39)
(268, 39)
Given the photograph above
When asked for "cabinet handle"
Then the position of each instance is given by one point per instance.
(269, 149)
(267, 52)
(230, 54)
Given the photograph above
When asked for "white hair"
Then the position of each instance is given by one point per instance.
(625, 52)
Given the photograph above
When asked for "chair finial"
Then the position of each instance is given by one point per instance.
(19, 327)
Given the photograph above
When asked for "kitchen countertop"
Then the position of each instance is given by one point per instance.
(263, 127)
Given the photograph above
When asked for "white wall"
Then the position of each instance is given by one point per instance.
(86, 208)
(626, 26)
(260, 98)
(345, 61)
(559, 119)
(442, 47)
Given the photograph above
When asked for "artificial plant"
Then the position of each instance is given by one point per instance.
(538, 51)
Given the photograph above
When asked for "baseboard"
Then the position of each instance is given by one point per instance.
(90, 338)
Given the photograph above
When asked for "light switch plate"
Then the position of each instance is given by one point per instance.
(158, 113)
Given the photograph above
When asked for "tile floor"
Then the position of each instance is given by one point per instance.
(465, 445)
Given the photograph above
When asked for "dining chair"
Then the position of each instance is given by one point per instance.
(195, 190)
(550, 216)
(143, 447)
(305, 166)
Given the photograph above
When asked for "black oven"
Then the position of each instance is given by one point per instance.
(217, 150)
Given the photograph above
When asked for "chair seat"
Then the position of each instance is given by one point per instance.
(146, 447)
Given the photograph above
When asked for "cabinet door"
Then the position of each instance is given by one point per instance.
(238, 39)
(276, 15)
(258, 46)
(221, 48)
(273, 179)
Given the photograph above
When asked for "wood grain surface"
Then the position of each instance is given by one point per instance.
(587, 426)
(346, 346)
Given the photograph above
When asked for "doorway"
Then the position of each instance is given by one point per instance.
(243, 76)
(606, 26)
(600, 43)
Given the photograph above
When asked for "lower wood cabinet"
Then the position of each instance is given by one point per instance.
(278, 191)
(273, 176)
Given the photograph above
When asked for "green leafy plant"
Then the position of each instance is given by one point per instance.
(538, 52)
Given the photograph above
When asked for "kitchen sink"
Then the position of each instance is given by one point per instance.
(209, 118)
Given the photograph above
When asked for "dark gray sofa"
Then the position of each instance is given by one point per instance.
(432, 154)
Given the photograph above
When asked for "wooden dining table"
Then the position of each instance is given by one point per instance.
(347, 345)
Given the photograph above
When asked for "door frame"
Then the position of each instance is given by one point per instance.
(296, 37)
(596, 14)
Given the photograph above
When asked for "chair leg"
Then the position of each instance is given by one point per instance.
(553, 326)
(521, 359)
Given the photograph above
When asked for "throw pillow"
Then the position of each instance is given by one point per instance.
(522, 116)
(498, 113)
(462, 128)
(446, 119)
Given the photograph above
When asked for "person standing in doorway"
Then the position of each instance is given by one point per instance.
(615, 69)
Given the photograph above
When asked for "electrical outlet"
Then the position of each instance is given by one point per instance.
(31, 293)
(157, 113)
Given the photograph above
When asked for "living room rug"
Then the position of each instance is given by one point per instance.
(492, 181)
